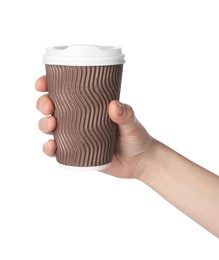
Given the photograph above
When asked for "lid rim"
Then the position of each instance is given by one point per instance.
(83, 55)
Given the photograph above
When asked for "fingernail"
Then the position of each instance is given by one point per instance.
(120, 108)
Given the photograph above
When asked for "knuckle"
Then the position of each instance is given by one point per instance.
(41, 124)
(44, 125)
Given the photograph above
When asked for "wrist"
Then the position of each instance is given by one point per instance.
(151, 161)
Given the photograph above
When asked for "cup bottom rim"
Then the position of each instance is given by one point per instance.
(90, 168)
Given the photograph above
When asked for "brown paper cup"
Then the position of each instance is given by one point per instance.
(85, 135)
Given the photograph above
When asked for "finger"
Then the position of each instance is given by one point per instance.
(41, 84)
(49, 148)
(45, 105)
(47, 124)
(124, 116)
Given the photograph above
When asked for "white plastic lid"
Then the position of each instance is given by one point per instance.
(84, 55)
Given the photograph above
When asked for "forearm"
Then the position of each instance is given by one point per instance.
(186, 185)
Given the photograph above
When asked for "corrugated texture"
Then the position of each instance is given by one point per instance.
(85, 135)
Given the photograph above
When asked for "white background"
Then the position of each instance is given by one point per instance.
(170, 79)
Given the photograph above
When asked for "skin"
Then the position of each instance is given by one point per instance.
(186, 185)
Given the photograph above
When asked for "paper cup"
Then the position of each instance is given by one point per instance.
(82, 80)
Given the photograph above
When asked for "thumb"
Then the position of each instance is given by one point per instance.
(123, 115)
(133, 137)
